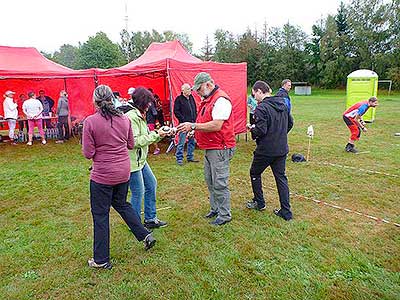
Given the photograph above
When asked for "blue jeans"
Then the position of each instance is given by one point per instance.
(181, 145)
(144, 183)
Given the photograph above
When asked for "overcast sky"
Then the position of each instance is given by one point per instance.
(48, 24)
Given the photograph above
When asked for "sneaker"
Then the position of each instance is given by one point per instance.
(219, 222)
(278, 213)
(93, 264)
(155, 224)
(29, 143)
(59, 141)
(211, 214)
(44, 142)
(157, 151)
(353, 150)
(254, 205)
(149, 242)
(193, 160)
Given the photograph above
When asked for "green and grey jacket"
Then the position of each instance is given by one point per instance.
(143, 138)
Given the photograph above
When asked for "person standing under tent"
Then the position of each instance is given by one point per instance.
(33, 109)
(353, 119)
(215, 134)
(10, 114)
(21, 100)
(185, 111)
(143, 183)
(107, 136)
(284, 93)
(48, 104)
(63, 115)
(272, 124)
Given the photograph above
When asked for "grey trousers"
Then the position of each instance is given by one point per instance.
(216, 174)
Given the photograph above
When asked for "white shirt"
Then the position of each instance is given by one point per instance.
(222, 109)
(10, 109)
(32, 108)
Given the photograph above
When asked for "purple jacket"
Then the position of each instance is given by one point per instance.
(108, 147)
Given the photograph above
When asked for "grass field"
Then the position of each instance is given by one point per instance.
(323, 253)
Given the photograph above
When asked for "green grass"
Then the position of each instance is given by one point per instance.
(324, 253)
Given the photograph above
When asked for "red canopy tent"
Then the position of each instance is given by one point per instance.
(164, 67)
(25, 69)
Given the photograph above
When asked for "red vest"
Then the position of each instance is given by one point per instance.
(218, 140)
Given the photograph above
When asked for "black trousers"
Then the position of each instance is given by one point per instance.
(278, 166)
(102, 197)
(63, 128)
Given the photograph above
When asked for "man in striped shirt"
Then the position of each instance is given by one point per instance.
(353, 119)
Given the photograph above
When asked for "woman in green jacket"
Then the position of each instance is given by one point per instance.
(142, 180)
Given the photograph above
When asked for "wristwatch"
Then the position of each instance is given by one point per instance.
(193, 126)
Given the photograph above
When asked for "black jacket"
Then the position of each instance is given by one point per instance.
(185, 109)
(151, 114)
(272, 124)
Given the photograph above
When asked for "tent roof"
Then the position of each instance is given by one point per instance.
(27, 62)
(162, 51)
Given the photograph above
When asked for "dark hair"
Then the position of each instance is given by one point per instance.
(116, 94)
(261, 85)
(141, 98)
(41, 91)
(31, 94)
(151, 90)
(284, 81)
(373, 99)
(103, 96)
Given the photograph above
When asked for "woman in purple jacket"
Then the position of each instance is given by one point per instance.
(107, 136)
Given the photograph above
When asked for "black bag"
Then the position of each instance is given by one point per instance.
(297, 157)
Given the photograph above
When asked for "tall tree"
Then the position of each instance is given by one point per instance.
(370, 30)
(313, 50)
(100, 52)
(126, 46)
(134, 44)
(68, 56)
(207, 50)
(225, 46)
(289, 55)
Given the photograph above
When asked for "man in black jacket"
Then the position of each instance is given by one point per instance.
(284, 93)
(185, 111)
(48, 104)
(272, 124)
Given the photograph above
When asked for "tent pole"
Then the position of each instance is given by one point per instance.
(69, 115)
(168, 78)
(165, 89)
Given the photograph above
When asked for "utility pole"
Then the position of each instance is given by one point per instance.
(126, 19)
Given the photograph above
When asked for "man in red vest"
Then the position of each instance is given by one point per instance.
(215, 134)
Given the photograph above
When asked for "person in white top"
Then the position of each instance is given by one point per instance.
(33, 109)
(10, 114)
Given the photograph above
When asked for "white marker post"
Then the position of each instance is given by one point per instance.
(310, 133)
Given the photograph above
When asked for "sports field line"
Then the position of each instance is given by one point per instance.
(162, 208)
(354, 168)
(330, 205)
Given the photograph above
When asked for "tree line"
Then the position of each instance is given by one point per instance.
(363, 34)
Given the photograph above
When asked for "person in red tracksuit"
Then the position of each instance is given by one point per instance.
(353, 119)
(215, 134)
